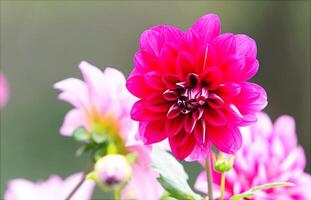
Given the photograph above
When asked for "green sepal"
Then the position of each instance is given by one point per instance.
(81, 135)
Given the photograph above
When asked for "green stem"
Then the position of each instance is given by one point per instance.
(117, 194)
(209, 178)
(222, 184)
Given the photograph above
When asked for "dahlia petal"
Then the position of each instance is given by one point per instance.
(212, 76)
(167, 59)
(74, 91)
(182, 145)
(250, 69)
(139, 63)
(224, 45)
(149, 41)
(251, 99)
(294, 160)
(170, 80)
(263, 126)
(208, 27)
(215, 101)
(137, 86)
(174, 126)
(155, 102)
(285, 129)
(200, 152)
(200, 132)
(170, 95)
(190, 123)
(227, 138)
(96, 83)
(191, 40)
(154, 80)
(140, 112)
(152, 132)
(245, 46)
(215, 117)
(170, 34)
(73, 120)
(228, 90)
(233, 69)
(173, 112)
(184, 65)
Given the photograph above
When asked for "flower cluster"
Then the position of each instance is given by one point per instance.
(190, 87)
(269, 153)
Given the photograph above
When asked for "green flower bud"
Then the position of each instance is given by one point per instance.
(223, 163)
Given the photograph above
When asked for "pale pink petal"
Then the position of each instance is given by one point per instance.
(21, 189)
(285, 128)
(73, 91)
(85, 191)
(73, 120)
(4, 90)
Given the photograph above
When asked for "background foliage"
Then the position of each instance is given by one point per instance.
(43, 41)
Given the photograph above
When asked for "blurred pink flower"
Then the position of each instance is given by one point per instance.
(193, 87)
(4, 90)
(270, 153)
(102, 99)
(52, 189)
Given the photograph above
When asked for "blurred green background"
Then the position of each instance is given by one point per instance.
(43, 41)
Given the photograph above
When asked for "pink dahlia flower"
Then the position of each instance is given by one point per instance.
(52, 189)
(270, 153)
(4, 90)
(102, 101)
(192, 87)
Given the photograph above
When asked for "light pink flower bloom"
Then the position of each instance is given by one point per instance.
(193, 87)
(52, 189)
(270, 153)
(100, 99)
(4, 90)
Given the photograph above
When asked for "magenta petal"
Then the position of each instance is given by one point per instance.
(215, 101)
(200, 152)
(227, 139)
(200, 132)
(285, 128)
(174, 126)
(152, 132)
(228, 90)
(225, 45)
(184, 65)
(251, 99)
(140, 112)
(245, 46)
(212, 76)
(149, 41)
(182, 145)
(154, 80)
(137, 86)
(215, 117)
(189, 123)
(208, 27)
(155, 102)
(173, 112)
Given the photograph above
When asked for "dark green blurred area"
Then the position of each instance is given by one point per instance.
(42, 42)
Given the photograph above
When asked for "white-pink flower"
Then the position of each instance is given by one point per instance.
(54, 188)
(4, 90)
(102, 101)
(270, 153)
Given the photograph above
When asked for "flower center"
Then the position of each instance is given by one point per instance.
(191, 96)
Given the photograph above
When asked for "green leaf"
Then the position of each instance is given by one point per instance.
(249, 193)
(81, 135)
(81, 150)
(173, 177)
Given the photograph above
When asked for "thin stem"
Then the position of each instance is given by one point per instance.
(75, 189)
(209, 178)
(222, 184)
(117, 194)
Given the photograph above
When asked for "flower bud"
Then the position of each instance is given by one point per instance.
(113, 171)
(223, 163)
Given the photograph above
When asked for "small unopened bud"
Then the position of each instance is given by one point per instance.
(113, 171)
(223, 163)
